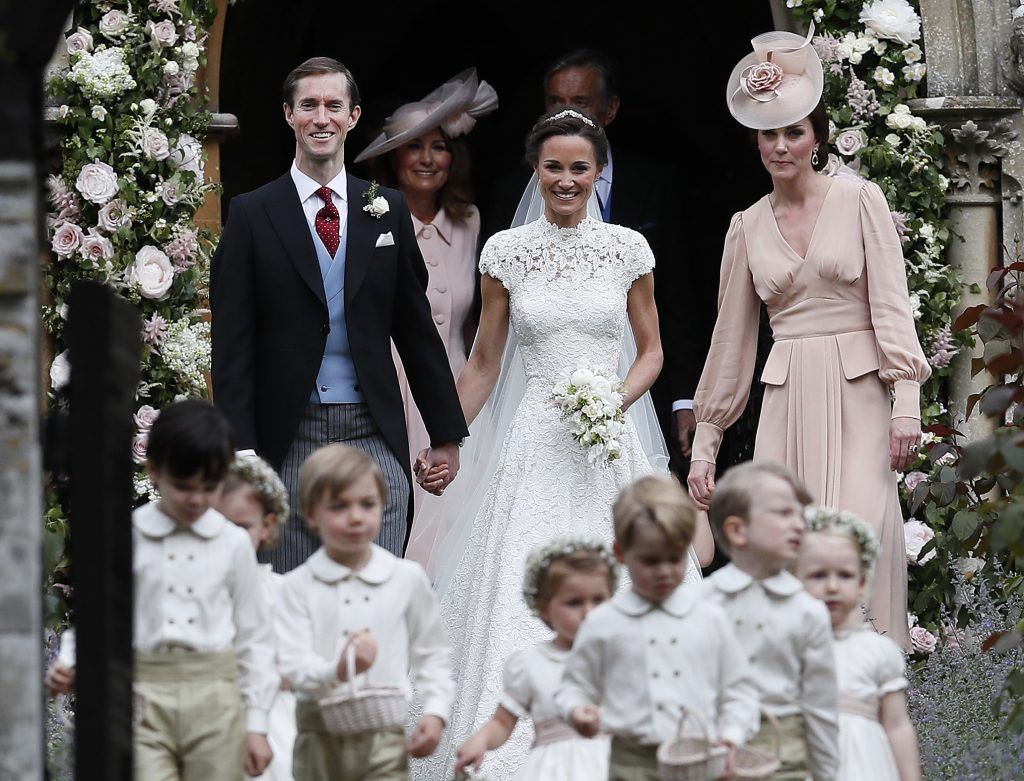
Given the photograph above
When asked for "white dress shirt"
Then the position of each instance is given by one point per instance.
(198, 588)
(641, 661)
(312, 203)
(322, 602)
(787, 636)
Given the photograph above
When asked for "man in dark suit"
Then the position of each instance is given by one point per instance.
(639, 194)
(315, 274)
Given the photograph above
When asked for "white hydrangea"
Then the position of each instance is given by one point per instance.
(186, 351)
(102, 74)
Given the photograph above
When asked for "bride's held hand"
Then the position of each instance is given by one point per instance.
(701, 482)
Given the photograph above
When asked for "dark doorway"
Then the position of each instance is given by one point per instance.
(673, 96)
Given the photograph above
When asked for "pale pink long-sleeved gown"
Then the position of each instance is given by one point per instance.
(844, 336)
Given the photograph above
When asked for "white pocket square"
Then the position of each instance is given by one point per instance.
(385, 240)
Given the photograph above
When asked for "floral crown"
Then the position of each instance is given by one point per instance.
(256, 472)
(825, 519)
(541, 559)
(570, 113)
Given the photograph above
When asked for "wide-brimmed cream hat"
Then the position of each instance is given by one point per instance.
(453, 107)
(778, 84)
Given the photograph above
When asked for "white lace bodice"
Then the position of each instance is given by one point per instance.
(567, 290)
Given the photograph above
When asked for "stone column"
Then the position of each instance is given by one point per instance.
(975, 81)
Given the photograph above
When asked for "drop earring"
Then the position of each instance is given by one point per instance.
(814, 156)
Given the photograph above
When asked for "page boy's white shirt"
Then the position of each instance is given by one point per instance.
(322, 602)
(787, 635)
(198, 588)
(640, 660)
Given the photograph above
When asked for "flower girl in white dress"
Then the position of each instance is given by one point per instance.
(564, 580)
(876, 739)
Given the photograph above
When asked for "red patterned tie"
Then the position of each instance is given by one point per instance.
(328, 221)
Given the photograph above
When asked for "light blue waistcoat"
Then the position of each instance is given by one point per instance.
(336, 382)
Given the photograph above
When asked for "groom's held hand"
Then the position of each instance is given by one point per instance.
(437, 467)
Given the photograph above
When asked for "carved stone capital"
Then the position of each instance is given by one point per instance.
(971, 161)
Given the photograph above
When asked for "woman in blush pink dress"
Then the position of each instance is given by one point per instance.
(841, 404)
(422, 153)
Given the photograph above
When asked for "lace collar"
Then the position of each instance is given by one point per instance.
(547, 228)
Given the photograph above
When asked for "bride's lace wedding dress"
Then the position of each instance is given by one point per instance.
(567, 291)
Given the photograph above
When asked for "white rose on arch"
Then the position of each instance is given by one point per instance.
(155, 144)
(895, 20)
(60, 371)
(916, 535)
(114, 23)
(850, 141)
(162, 34)
(97, 182)
(151, 273)
(187, 155)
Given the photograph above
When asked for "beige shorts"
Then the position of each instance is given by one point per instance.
(632, 761)
(792, 746)
(363, 756)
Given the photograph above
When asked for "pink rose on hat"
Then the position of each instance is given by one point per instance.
(763, 77)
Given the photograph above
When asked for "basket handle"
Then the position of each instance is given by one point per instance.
(684, 712)
(777, 729)
(350, 668)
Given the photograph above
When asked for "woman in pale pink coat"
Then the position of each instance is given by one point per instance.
(842, 383)
(421, 152)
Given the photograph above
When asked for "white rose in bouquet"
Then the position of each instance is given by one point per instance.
(79, 41)
(895, 20)
(97, 182)
(67, 238)
(151, 273)
(581, 376)
(60, 371)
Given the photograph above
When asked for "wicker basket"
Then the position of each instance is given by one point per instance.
(364, 708)
(752, 764)
(687, 758)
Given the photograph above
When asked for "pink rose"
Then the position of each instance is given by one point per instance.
(154, 144)
(162, 34)
(763, 77)
(170, 192)
(97, 182)
(922, 640)
(97, 248)
(79, 41)
(146, 417)
(67, 238)
(115, 215)
(139, 446)
(913, 479)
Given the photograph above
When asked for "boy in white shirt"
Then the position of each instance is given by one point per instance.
(204, 658)
(352, 591)
(655, 648)
(756, 515)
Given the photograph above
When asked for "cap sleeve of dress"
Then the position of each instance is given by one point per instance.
(639, 259)
(902, 362)
(516, 695)
(891, 669)
(725, 382)
(493, 259)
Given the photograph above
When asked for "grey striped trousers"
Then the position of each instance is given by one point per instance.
(350, 424)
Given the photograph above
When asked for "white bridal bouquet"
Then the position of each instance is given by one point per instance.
(591, 400)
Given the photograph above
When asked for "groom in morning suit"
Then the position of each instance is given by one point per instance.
(308, 288)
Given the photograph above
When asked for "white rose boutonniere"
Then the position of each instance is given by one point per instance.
(376, 204)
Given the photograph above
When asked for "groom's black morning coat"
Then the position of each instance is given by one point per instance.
(270, 321)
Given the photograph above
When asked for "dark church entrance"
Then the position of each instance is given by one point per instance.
(673, 102)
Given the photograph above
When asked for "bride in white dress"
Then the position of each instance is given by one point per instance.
(565, 283)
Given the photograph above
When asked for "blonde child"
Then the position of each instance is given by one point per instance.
(655, 648)
(255, 500)
(564, 581)
(876, 739)
(756, 516)
(352, 591)
(204, 658)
